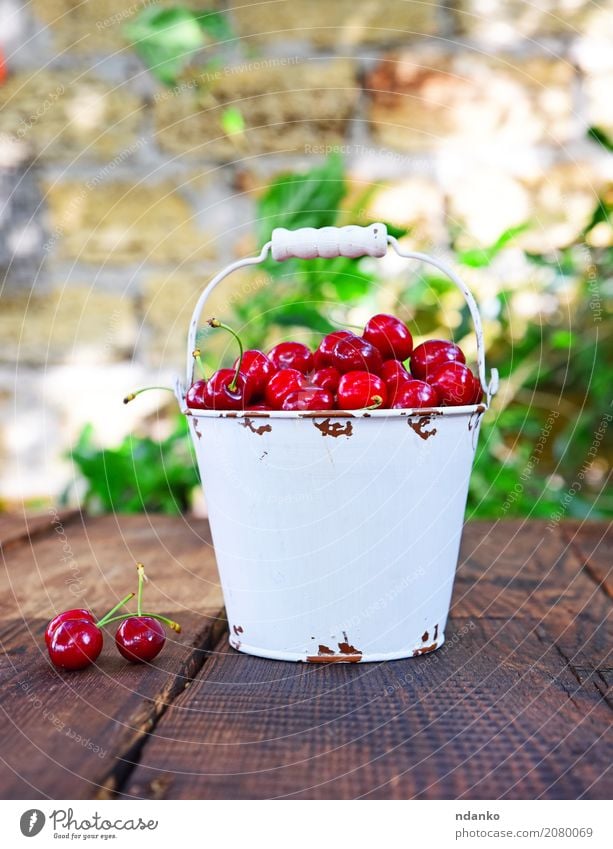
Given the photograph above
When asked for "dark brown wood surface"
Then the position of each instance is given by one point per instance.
(517, 704)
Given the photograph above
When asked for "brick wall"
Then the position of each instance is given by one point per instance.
(116, 192)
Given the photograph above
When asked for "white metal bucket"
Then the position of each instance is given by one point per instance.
(336, 534)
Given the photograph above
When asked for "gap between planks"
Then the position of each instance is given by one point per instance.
(144, 723)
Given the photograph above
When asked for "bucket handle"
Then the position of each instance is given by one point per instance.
(351, 241)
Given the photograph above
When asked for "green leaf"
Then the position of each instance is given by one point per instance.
(396, 232)
(303, 315)
(232, 121)
(602, 213)
(562, 339)
(332, 279)
(140, 474)
(166, 38)
(599, 135)
(215, 25)
(311, 199)
(482, 257)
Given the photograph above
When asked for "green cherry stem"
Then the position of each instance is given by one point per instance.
(171, 623)
(107, 616)
(214, 322)
(141, 579)
(132, 395)
(196, 354)
(377, 401)
(344, 323)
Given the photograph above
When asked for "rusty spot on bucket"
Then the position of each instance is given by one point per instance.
(236, 644)
(435, 635)
(335, 429)
(259, 430)
(349, 650)
(424, 650)
(346, 654)
(473, 419)
(421, 423)
(238, 629)
(196, 431)
(424, 637)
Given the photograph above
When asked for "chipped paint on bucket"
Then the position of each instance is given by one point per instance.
(336, 534)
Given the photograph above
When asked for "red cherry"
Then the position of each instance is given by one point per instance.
(75, 644)
(291, 355)
(456, 385)
(226, 390)
(323, 355)
(393, 369)
(360, 389)
(414, 393)
(431, 355)
(195, 395)
(326, 378)
(478, 393)
(356, 354)
(310, 398)
(394, 374)
(67, 615)
(140, 638)
(390, 335)
(281, 384)
(257, 370)
(261, 407)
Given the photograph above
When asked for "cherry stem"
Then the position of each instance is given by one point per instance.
(132, 395)
(214, 322)
(170, 622)
(196, 354)
(377, 401)
(344, 323)
(108, 615)
(141, 580)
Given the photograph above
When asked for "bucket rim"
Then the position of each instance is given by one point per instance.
(418, 412)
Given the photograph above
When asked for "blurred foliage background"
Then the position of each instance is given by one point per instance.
(491, 150)
(547, 431)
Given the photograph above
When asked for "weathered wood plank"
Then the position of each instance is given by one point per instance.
(74, 735)
(520, 587)
(92, 565)
(593, 543)
(19, 527)
(496, 714)
(519, 569)
(516, 700)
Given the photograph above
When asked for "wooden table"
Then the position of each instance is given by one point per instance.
(516, 705)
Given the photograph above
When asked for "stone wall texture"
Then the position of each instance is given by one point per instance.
(120, 197)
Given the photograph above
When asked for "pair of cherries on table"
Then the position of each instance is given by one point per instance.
(74, 638)
(345, 372)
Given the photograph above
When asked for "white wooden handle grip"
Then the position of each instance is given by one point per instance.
(329, 242)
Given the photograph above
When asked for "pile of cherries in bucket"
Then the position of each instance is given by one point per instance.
(346, 372)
